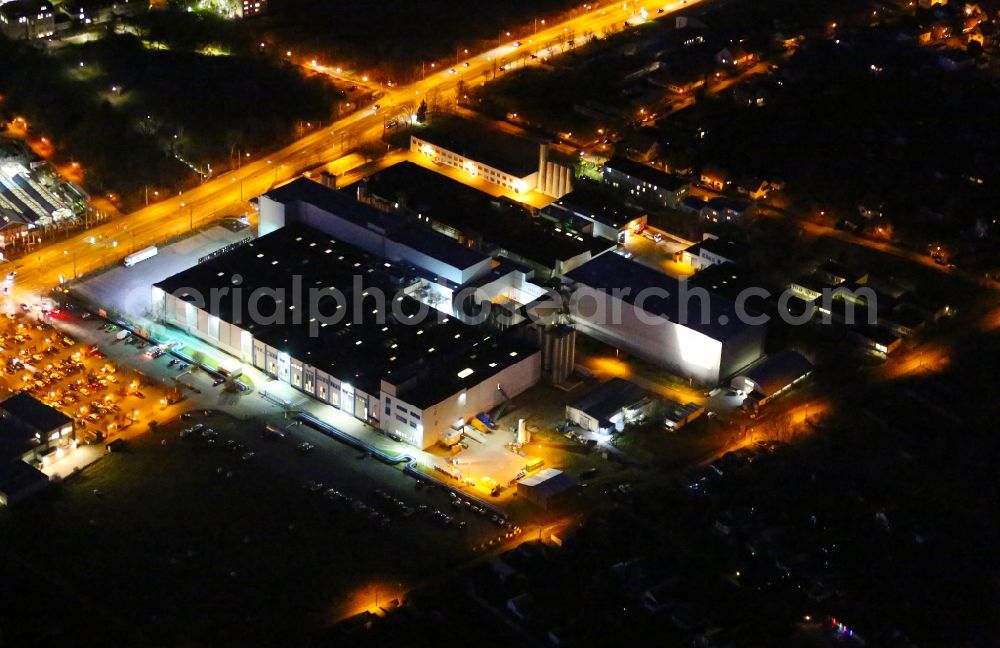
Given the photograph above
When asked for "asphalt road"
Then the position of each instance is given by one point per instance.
(228, 193)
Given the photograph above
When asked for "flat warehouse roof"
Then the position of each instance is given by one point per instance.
(607, 398)
(612, 272)
(597, 203)
(272, 262)
(343, 205)
(372, 338)
(510, 154)
(499, 221)
(778, 371)
(438, 377)
(724, 247)
(30, 410)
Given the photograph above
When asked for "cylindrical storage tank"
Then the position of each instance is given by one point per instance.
(523, 436)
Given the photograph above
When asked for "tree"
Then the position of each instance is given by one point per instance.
(422, 112)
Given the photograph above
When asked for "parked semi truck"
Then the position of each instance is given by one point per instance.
(141, 255)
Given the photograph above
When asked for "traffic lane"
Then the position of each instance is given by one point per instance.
(168, 214)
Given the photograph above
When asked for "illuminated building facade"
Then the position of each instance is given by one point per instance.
(690, 330)
(27, 19)
(375, 353)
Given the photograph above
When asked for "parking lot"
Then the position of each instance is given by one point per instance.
(656, 249)
(109, 381)
(102, 398)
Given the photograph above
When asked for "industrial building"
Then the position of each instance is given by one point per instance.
(32, 194)
(31, 435)
(687, 329)
(713, 250)
(515, 164)
(771, 377)
(495, 226)
(33, 431)
(597, 211)
(376, 232)
(546, 488)
(442, 268)
(676, 416)
(374, 352)
(877, 338)
(18, 481)
(610, 405)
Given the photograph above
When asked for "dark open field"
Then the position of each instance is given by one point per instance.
(184, 544)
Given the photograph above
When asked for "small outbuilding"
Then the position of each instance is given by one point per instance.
(677, 416)
(546, 488)
(19, 481)
(609, 406)
(770, 377)
(35, 427)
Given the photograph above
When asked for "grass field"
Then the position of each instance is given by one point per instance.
(172, 543)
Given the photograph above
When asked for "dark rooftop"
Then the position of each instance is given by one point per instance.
(331, 200)
(596, 203)
(33, 412)
(733, 204)
(15, 441)
(777, 371)
(607, 398)
(877, 334)
(727, 280)
(438, 377)
(24, 8)
(836, 272)
(374, 338)
(18, 477)
(502, 223)
(418, 237)
(513, 155)
(609, 272)
(646, 173)
(723, 247)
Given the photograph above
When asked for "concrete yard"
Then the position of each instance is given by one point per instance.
(126, 290)
(658, 254)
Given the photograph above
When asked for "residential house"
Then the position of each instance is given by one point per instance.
(726, 210)
(734, 56)
(753, 187)
(715, 178)
(646, 184)
(27, 19)
(692, 205)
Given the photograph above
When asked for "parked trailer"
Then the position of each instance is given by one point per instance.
(141, 255)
